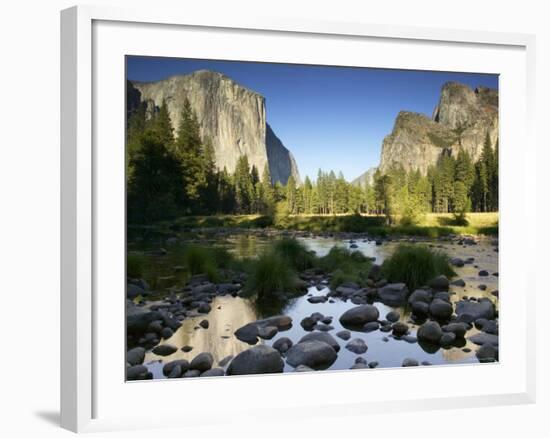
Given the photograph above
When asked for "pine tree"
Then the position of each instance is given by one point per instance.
(161, 125)
(189, 150)
(209, 192)
(307, 192)
(226, 192)
(154, 193)
(267, 192)
(244, 189)
(290, 192)
(135, 128)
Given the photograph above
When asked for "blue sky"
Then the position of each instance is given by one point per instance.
(329, 117)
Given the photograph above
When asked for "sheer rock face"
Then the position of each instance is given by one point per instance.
(462, 119)
(230, 115)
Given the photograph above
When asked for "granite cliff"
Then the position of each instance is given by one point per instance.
(462, 119)
(366, 178)
(230, 115)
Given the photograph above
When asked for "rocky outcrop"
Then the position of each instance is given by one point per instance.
(231, 116)
(281, 162)
(462, 119)
(365, 179)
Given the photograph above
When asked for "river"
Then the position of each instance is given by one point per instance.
(230, 313)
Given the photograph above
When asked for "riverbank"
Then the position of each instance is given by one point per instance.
(433, 225)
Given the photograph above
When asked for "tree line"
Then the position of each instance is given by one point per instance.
(171, 175)
(453, 185)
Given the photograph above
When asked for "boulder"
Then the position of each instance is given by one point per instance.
(443, 295)
(447, 339)
(138, 372)
(282, 322)
(357, 346)
(359, 316)
(344, 334)
(314, 354)
(321, 337)
(421, 295)
(393, 294)
(344, 292)
(409, 362)
(323, 327)
(430, 332)
(441, 309)
(214, 372)
(166, 333)
(400, 329)
(181, 363)
(371, 326)
(248, 333)
(204, 324)
(202, 362)
(393, 316)
(458, 282)
(175, 373)
(138, 320)
(260, 359)
(308, 323)
(164, 350)
(490, 327)
(267, 332)
(282, 345)
(420, 309)
(439, 283)
(135, 356)
(459, 329)
(203, 307)
(483, 308)
(458, 262)
(318, 299)
(134, 291)
(484, 338)
(487, 353)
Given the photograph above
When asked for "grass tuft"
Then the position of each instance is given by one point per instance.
(415, 265)
(345, 265)
(294, 253)
(270, 276)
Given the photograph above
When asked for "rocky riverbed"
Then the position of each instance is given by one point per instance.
(196, 328)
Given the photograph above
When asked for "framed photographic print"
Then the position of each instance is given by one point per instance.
(273, 208)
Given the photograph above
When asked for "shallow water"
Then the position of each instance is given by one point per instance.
(229, 313)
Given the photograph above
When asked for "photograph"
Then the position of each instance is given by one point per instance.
(287, 218)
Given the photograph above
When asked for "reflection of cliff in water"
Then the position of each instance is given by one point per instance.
(218, 339)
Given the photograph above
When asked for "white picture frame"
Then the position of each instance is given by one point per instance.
(93, 397)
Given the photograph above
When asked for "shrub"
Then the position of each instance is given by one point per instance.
(294, 253)
(199, 260)
(415, 265)
(134, 265)
(345, 265)
(270, 276)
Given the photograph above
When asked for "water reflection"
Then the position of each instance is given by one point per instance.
(226, 316)
(228, 313)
